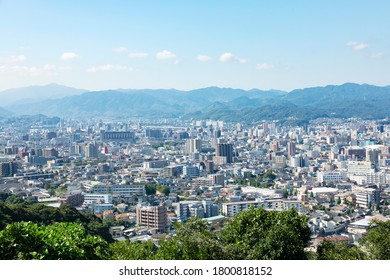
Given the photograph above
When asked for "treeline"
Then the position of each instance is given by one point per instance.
(255, 234)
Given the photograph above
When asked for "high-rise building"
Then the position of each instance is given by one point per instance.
(154, 217)
(209, 165)
(372, 155)
(291, 149)
(91, 150)
(225, 150)
(8, 169)
(79, 148)
(217, 133)
(274, 145)
(194, 146)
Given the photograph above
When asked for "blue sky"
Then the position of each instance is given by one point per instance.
(191, 44)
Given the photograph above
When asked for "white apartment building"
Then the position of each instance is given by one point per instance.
(132, 189)
(376, 178)
(90, 198)
(233, 208)
(331, 176)
(359, 168)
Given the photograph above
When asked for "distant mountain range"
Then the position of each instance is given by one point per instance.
(347, 100)
(34, 94)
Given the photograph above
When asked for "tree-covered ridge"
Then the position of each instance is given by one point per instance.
(227, 104)
(44, 215)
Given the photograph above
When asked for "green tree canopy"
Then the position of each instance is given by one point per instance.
(45, 215)
(269, 235)
(377, 241)
(193, 241)
(269, 175)
(59, 241)
(126, 250)
(163, 189)
(339, 250)
(150, 189)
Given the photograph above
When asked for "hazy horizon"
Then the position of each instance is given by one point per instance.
(179, 89)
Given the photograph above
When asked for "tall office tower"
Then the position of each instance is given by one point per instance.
(291, 149)
(194, 146)
(372, 155)
(265, 126)
(272, 128)
(274, 145)
(8, 169)
(217, 133)
(79, 148)
(209, 165)
(225, 150)
(91, 150)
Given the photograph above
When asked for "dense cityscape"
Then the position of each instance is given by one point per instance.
(143, 177)
(194, 139)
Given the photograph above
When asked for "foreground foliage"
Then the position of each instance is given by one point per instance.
(60, 241)
(126, 250)
(264, 235)
(339, 250)
(377, 241)
(193, 241)
(253, 234)
(31, 232)
(45, 215)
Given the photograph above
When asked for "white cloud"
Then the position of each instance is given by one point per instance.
(264, 66)
(54, 69)
(13, 58)
(176, 62)
(68, 56)
(109, 67)
(357, 46)
(225, 57)
(138, 55)
(165, 55)
(17, 58)
(119, 49)
(203, 58)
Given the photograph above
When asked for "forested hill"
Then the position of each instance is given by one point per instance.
(347, 100)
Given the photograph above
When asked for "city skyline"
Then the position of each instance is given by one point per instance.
(158, 44)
